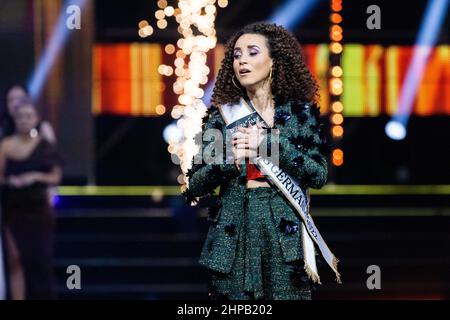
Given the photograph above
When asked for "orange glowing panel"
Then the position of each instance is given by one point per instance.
(318, 62)
(434, 88)
(374, 76)
(125, 78)
(115, 63)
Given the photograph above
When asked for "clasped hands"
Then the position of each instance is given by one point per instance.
(23, 180)
(246, 142)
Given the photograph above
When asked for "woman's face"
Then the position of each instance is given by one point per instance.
(15, 97)
(26, 119)
(252, 61)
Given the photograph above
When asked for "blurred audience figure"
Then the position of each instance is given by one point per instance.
(17, 95)
(29, 164)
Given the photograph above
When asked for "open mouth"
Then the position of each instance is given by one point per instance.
(244, 71)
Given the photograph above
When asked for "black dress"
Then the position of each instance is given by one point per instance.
(28, 216)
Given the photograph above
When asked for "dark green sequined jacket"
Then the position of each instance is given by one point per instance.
(303, 152)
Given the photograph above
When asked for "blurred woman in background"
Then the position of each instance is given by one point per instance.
(17, 95)
(29, 164)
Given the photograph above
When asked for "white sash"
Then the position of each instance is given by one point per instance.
(293, 193)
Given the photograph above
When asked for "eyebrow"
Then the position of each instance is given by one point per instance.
(249, 46)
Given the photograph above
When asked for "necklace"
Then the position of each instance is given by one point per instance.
(33, 133)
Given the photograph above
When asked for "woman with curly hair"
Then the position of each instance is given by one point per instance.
(253, 249)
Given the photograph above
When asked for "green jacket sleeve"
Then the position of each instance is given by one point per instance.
(203, 177)
(303, 149)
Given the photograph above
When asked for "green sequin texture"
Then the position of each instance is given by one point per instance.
(259, 270)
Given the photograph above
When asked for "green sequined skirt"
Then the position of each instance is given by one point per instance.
(259, 271)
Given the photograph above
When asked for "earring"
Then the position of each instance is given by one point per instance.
(234, 83)
(270, 75)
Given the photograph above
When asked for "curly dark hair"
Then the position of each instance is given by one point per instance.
(292, 80)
